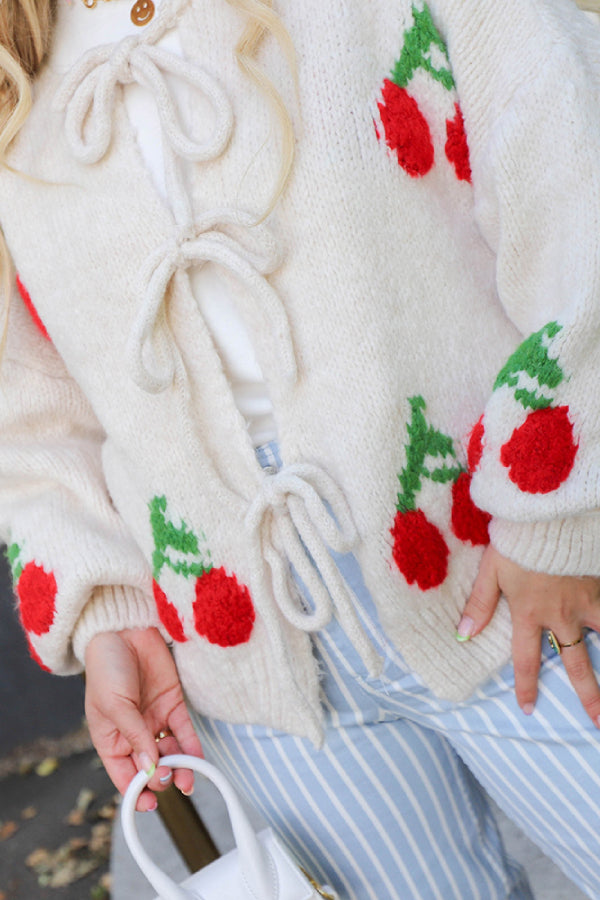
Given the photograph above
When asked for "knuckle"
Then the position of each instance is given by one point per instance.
(567, 614)
(478, 603)
(113, 707)
(592, 706)
(527, 615)
(529, 618)
(579, 670)
(526, 669)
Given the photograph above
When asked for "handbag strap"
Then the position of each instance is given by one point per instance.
(257, 868)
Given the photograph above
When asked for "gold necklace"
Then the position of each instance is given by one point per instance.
(142, 11)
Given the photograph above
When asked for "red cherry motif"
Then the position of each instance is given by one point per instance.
(406, 130)
(419, 549)
(475, 447)
(457, 149)
(223, 611)
(35, 656)
(469, 523)
(541, 452)
(36, 590)
(31, 308)
(168, 614)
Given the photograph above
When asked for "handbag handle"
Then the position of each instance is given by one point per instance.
(256, 866)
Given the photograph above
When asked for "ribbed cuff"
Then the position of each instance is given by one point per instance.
(558, 547)
(112, 608)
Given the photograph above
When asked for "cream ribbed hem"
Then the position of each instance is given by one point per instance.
(560, 547)
(112, 608)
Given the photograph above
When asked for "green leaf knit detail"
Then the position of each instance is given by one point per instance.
(169, 537)
(416, 51)
(13, 552)
(424, 441)
(531, 358)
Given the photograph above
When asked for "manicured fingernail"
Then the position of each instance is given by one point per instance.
(191, 791)
(528, 708)
(464, 632)
(146, 764)
(164, 778)
(154, 807)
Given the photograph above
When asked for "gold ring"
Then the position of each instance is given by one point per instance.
(166, 732)
(556, 644)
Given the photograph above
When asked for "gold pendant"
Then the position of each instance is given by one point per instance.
(142, 12)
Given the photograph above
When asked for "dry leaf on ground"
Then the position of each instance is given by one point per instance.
(37, 858)
(47, 767)
(30, 812)
(7, 829)
(72, 861)
(85, 798)
(80, 856)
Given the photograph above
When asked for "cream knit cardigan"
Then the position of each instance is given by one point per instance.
(424, 306)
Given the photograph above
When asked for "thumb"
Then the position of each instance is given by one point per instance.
(138, 735)
(483, 600)
(124, 743)
(144, 750)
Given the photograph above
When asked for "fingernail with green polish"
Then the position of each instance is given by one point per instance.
(147, 765)
(464, 632)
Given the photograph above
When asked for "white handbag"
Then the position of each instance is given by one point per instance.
(259, 868)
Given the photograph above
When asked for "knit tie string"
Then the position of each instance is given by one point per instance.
(88, 92)
(149, 346)
(297, 516)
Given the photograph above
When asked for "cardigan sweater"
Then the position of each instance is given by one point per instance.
(423, 302)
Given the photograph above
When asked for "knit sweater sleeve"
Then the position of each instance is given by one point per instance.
(76, 570)
(535, 127)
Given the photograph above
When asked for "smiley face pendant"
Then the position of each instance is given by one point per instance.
(142, 12)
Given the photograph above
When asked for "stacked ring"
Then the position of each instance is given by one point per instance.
(557, 645)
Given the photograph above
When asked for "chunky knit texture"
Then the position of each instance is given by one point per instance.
(424, 307)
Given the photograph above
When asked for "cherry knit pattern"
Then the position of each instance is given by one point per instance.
(36, 591)
(540, 453)
(419, 548)
(223, 611)
(24, 293)
(407, 131)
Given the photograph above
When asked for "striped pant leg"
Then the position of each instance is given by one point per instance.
(385, 811)
(542, 770)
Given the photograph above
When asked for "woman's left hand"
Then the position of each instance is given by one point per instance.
(565, 604)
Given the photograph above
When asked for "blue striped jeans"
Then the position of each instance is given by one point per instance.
(392, 806)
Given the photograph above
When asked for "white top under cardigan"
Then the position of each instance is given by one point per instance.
(419, 304)
(79, 29)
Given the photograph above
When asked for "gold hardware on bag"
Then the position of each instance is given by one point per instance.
(316, 886)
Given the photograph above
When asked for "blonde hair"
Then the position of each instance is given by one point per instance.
(262, 19)
(25, 30)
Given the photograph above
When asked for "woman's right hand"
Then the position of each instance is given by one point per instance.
(132, 693)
